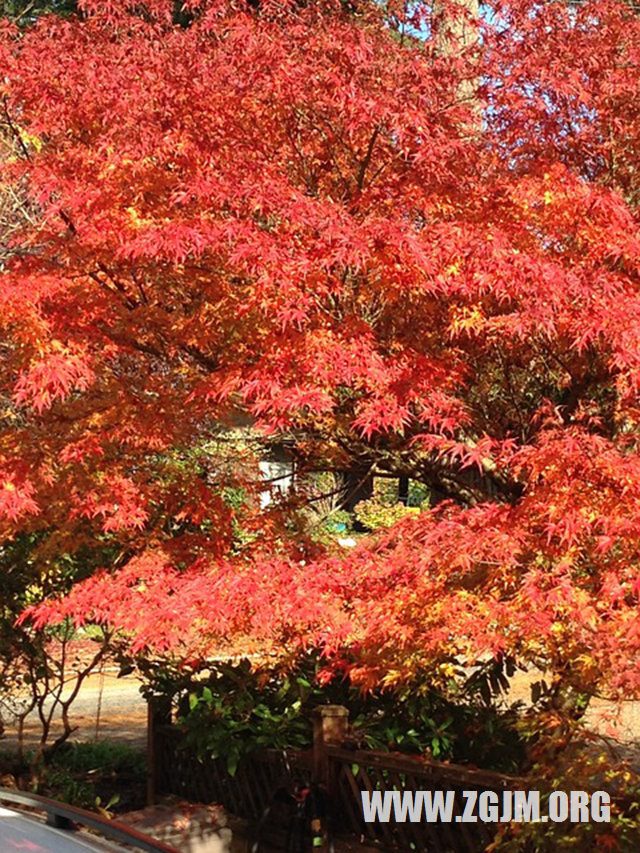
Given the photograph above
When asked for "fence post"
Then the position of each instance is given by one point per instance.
(158, 714)
(330, 726)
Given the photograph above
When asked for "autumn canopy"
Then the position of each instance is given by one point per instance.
(398, 244)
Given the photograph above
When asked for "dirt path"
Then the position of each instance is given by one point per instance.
(106, 708)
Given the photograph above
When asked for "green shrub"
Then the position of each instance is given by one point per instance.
(101, 775)
(233, 710)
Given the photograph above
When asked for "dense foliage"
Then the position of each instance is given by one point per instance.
(229, 710)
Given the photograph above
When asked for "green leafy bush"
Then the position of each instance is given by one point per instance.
(232, 710)
(102, 775)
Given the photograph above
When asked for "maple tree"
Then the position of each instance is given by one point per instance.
(407, 259)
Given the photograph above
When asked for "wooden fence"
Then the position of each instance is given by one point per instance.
(354, 772)
(344, 772)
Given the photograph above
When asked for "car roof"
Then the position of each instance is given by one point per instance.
(23, 832)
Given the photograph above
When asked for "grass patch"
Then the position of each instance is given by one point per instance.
(91, 775)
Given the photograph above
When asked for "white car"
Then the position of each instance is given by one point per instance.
(40, 825)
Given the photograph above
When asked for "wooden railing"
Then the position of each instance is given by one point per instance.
(246, 793)
(355, 772)
(345, 773)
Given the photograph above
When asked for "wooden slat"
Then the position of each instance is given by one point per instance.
(258, 776)
(351, 792)
(378, 828)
